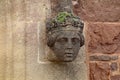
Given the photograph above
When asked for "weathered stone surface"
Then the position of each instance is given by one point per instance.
(60, 6)
(37, 65)
(2, 40)
(98, 10)
(103, 37)
(116, 77)
(114, 66)
(15, 40)
(103, 58)
(56, 71)
(35, 10)
(99, 71)
(17, 10)
(37, 68)
(22, 45)
(2, 51)
(19, 50)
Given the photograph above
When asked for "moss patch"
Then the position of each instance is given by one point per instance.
(61, 17)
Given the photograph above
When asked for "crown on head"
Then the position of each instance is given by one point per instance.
(64, 21)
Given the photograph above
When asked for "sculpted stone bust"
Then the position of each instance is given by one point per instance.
(65, 36)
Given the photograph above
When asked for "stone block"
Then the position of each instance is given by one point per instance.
(103, 38)
(114, 66)
(98, 10)
(31, 40)
(2, 10)
(18, 36)
(38, 68)
(103, 58)
(57, 71)
(116, 77)
(2, 50)
(31, 33)
(2, 40)
(99, 71)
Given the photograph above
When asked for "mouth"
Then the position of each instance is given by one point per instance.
(69, 55)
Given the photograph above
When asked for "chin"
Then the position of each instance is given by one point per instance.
(69, 59)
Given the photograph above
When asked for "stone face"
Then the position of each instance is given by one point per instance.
(103, 38)
(65, 40)
(99, 71)
(98, 10)
(114, 66)
(116, 77)
(103, 58)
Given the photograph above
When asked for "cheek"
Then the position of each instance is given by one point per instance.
(59, 50)
(58, 46)
(76, 47)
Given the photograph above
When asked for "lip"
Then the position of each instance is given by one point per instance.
(69, 54)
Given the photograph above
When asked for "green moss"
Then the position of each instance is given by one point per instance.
(62, 16)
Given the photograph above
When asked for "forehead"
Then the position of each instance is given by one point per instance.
(68, 34)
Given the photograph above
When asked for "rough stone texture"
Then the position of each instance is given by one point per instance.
(99, 71)
(114, 66)
(116, 77)
(103, 58)
(98, 10)
(103, 38)
(23, 44)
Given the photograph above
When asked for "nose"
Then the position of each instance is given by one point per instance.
(69, 44)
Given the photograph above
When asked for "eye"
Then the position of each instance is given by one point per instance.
(62, 40)
(75, 40)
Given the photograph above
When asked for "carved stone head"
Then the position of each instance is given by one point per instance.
(65, 36)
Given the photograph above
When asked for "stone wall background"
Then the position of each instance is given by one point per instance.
(102, 18)
(23, 44)
(21, 29)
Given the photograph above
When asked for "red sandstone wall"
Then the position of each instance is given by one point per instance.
(102, 19)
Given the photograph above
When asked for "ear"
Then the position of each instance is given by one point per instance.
(82, 42)
(50, 40)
